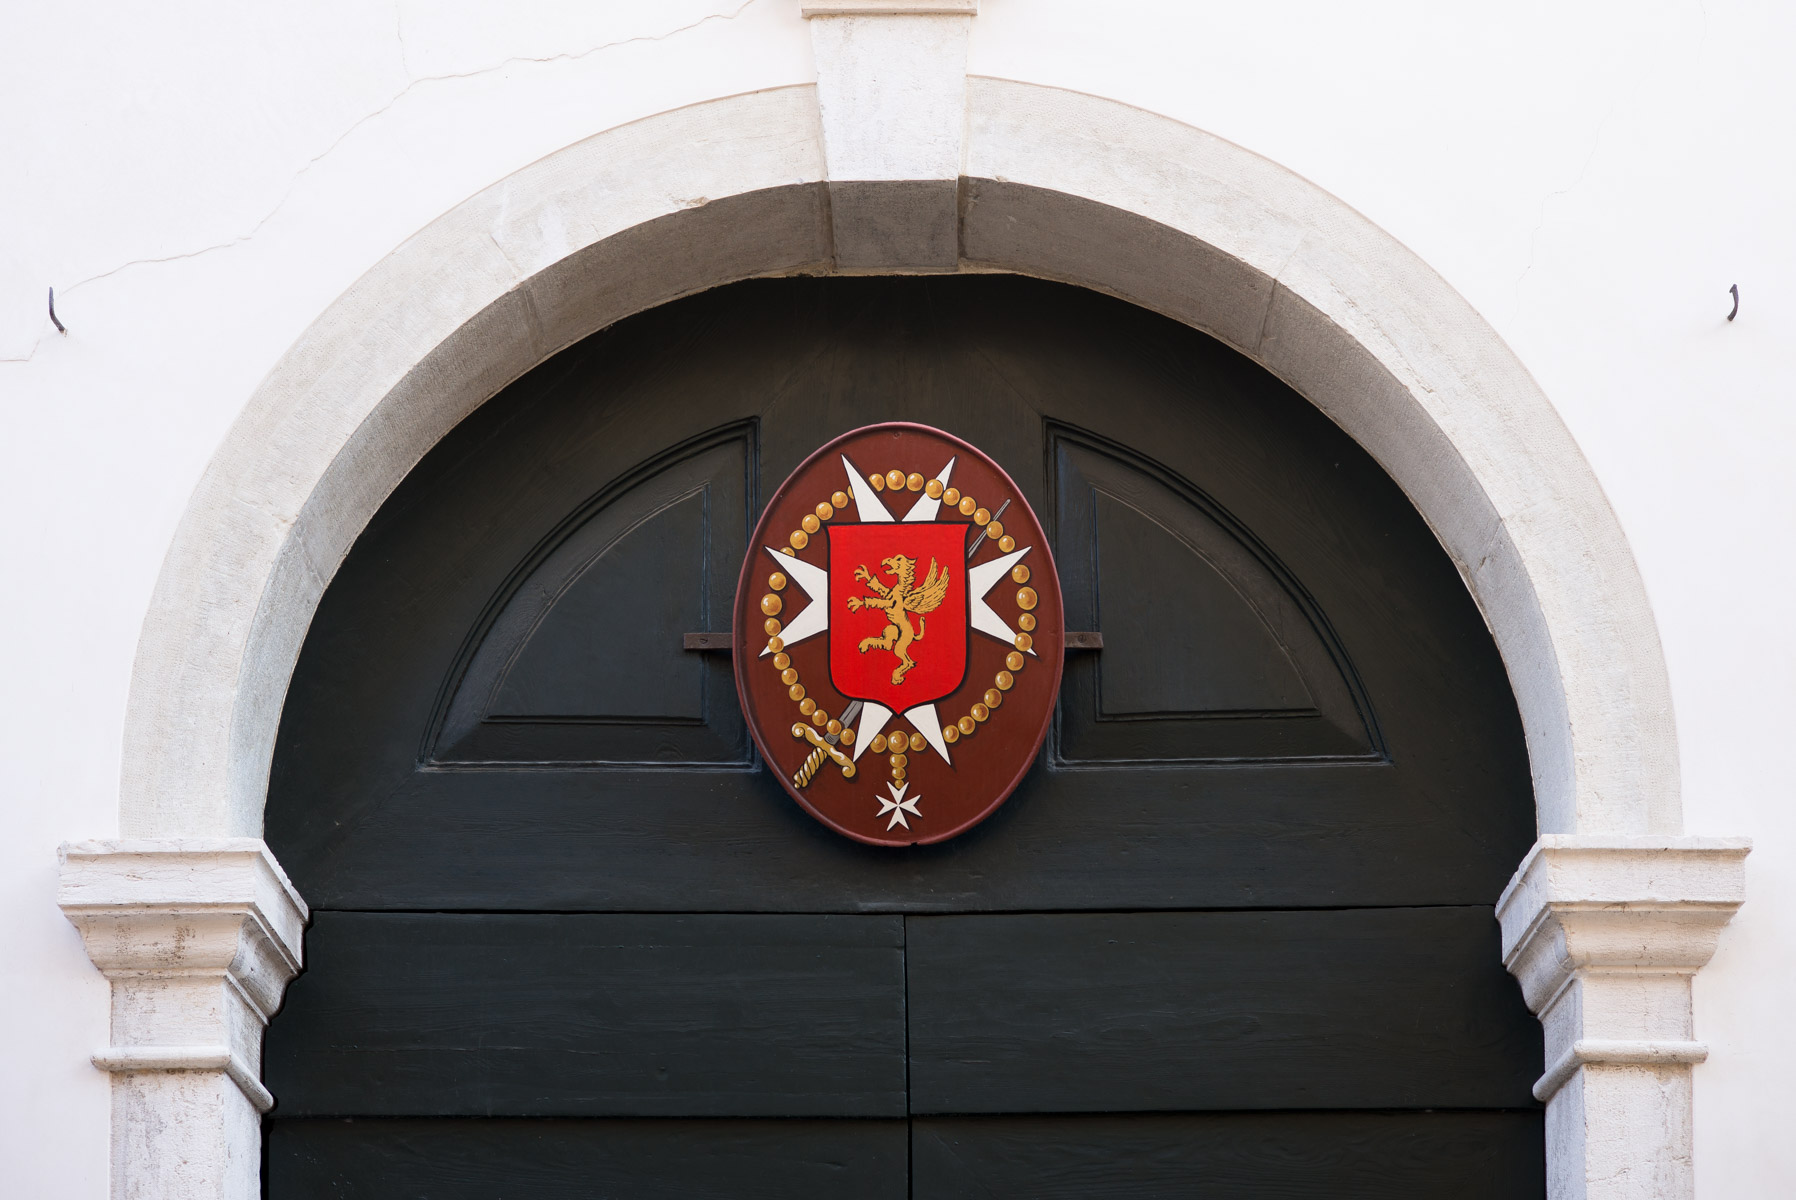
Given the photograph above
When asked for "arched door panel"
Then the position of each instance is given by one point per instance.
(581, 661)
(1232, 662)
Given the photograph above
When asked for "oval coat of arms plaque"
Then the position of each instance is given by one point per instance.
(898, 633)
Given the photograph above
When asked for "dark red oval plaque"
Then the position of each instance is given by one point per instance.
(898, 633)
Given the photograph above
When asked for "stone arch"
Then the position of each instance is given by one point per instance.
(1053, 184)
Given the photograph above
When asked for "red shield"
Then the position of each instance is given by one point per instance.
(898, 622)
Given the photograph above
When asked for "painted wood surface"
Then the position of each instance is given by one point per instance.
(1240, 1156)
(588, 1160)
(1345, 1009)
(582, 1014)
(1247, 1156)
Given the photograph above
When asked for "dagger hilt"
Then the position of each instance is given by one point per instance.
(825, 750)
(812, 764)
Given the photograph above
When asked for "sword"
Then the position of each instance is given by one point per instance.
(980, 540)
(815, 761)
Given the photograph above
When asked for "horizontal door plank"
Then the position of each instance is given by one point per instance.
(1349, 1009)
(1242, 1156)
(583, 1015)
(1180, 837)
(451, 1159)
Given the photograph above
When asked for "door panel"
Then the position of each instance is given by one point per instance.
(1217, 654)
(1229, 835)
(586, 1015)
(587, 1160)
(603, 604)
(1345, 1009)
(1237, 1156)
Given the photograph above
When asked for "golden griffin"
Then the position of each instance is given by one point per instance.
(901, 602)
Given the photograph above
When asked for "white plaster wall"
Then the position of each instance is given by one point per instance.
(199, 180)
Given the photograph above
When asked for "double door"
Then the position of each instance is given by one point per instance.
(1232, 936)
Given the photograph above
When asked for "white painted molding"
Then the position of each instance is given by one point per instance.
(199, 938)
(1605, 935)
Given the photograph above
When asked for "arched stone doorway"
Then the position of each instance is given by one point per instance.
(1163, 214)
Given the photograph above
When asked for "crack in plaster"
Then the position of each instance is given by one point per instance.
(411, 84)
(1596, 142)
(1625, 90)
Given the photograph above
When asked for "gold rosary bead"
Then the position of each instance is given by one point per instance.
(777, 582)
(894, 479)
(820, 718)
(878, 744)
(833, 728)
(899, 762)
(771, 626)
(800, 539)
(1005, 681)
(1024, 641)
(1025, 598)
(933, 489)
(993, 697)
(897, 776)
(1027, 622)
(981, 712)
(789, 676)
(878, 482)
(967, 725)
(968, 506)
(982, 516)
(847, 736)
(770, 605)
(788, 552)
(796, 692)
(951, 497)
(1006, 543)
(825, 511)
(950, 734)
(995, 530)
(807, 706)
(781, 661)
(914, 482)
(839, 499)
(1019, 573)
(1014, 661)
(776, 645)
(810, 524)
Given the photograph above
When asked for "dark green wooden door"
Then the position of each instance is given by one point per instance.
(1232, 936)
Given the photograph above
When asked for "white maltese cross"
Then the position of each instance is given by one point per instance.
(898, 806)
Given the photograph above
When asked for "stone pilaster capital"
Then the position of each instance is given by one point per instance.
(1640, 904)
(200, 938)
(186, 906)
